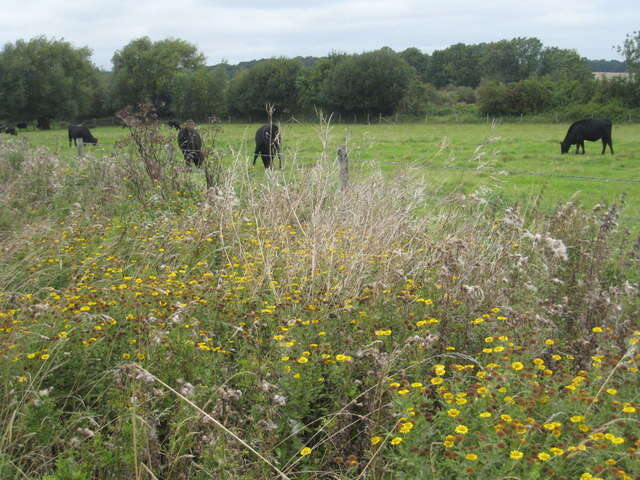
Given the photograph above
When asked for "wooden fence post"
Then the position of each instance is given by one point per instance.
(171, 152)
(80, 145)
(343, 159)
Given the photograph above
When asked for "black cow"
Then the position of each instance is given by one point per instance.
(174, 124)
(80, 131)
(22, 125)
(591, 130)
(191, 145)
(8, 129)
(267, 145)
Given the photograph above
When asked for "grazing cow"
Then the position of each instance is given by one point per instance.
(191, 145)
(80, 131)
(591, 130)
(8, 129)
(267, 145)
(22, 125)
(174, 124)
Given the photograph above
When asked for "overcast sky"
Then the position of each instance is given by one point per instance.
(240, 30)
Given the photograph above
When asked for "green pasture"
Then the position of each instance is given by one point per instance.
(456, 158)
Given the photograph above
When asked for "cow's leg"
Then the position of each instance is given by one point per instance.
(610, 145)
(266, 160)
(255, 155)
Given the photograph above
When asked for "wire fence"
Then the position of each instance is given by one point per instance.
(309, 158)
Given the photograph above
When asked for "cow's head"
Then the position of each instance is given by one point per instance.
(92, 140)
(564, 147)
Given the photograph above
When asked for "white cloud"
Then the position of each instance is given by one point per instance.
(247, 29)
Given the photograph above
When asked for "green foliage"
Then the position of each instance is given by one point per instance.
(313, 82)
(418, 60)
(199, 94)
(630, 49)
(562, 64)
(43, 78)
(144, 70)
(270, 82)
(458, 64)
(511, 60)
(370, 83)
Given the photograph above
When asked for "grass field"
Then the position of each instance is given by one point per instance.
(164, 322)
(485, 153)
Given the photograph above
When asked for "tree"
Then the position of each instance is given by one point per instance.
(143, 71)
(313, 82)
(563, 64)
(373, 82)
(630, 49)
(269, 82)
(199, 94)
(512, 60)
(46, 79)
(418, 60)
(458, 64)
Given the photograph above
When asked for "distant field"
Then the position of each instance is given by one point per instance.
(521, 148)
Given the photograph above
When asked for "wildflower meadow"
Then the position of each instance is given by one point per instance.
(163, 322)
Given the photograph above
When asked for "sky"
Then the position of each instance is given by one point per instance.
(242, 30)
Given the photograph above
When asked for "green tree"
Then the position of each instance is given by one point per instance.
(143, 71)
(512, 60)
(271, 82)
(564, 64)
(313, 82)
(418, 60)
(373, 82)
(199, 94)
(458, 64)
(630, 50)
(46, 79)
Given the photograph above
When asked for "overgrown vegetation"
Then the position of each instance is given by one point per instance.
(374, 332)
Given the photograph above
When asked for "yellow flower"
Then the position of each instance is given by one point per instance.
(517, 366)
(471, 456)
(439, 370)
(611, 391)
(556, 451)
(44, 357)
(375, 440)
(406, 427)
(383, 332)
(516, 454)
(396, 440)
(303, 360)
(461, 429)
(436, 380)
(549, 341)
(576, 419)
(305, 451)
(453, 412)
(506, 418)
(484, 414)
(404, 391)
(596, 329)
(543, 456)
(629, 409)
(416, 385)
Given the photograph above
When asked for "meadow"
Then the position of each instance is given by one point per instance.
(518, 162)
(437, 319)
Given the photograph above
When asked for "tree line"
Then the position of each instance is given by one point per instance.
(51, 79)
